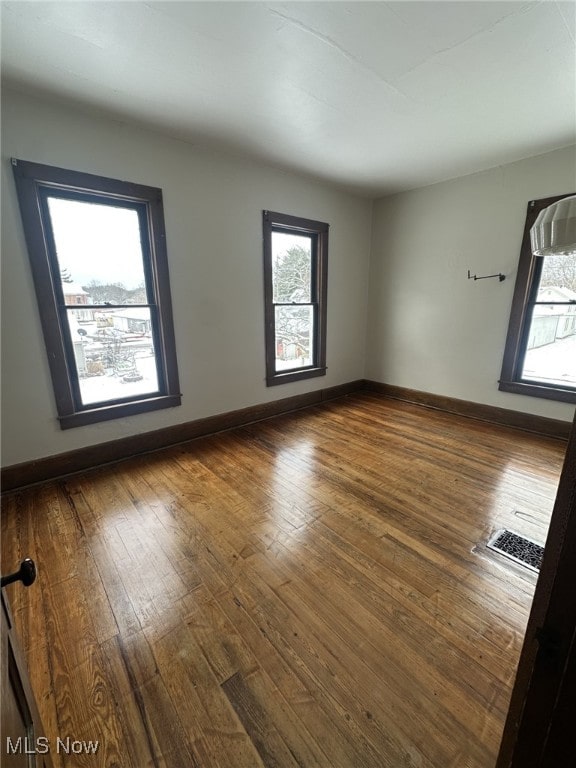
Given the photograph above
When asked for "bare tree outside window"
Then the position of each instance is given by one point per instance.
(291, 277)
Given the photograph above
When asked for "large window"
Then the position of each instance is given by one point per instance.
(540, 354)
(295, 272)
(98, 254)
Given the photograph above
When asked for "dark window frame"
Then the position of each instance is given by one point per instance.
(318, 232)
(33, 183)
(525, 290)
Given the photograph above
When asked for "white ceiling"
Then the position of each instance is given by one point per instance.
(375, 96)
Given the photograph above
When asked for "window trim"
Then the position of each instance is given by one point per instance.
(32, 179)
(282, 222)
(529, 267)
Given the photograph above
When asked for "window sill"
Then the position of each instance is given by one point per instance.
(285, 378)
(538, 390)
(108, 412)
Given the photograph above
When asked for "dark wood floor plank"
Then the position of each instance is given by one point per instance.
(298, 683)
(265, 721)
(134, 721)
(197, 696)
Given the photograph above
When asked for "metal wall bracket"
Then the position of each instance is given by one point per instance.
(500, 276)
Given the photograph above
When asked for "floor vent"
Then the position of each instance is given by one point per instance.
(517, 548)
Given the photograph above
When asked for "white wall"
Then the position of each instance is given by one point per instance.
(213, 206)
(430, 328)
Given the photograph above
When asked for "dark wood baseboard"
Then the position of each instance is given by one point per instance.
(490, 413)
(52, 467)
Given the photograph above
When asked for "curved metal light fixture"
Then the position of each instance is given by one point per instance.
(554, 231)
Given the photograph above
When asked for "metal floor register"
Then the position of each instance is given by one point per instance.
(517, 548)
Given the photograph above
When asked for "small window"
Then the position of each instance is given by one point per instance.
(98, 255)
(540, 353)
(295, 275)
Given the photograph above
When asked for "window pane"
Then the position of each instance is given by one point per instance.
(295, 292)
(99, 252)
(558, 274)
(114, 353)
(294, 337)
(551, 348)
(291, 267)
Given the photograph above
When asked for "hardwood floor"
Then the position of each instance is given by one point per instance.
(308, 591)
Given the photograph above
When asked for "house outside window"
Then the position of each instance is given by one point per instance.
(540, 354)
(97, 248)
(295, 288)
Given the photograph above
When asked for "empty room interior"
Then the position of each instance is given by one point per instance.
(288, 380)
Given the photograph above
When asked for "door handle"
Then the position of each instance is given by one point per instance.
(26, 574)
